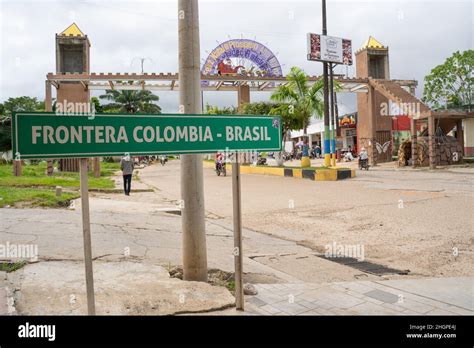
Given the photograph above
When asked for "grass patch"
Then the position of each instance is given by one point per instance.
(35, 197)
(12, 266)
(230, 285)
(35, 176)
(109, 169)
(214, 277)
(35, 189)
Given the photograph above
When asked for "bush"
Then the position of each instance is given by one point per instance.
(5, 135)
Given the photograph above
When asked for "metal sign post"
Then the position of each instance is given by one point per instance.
(237, 216)
(86, 229)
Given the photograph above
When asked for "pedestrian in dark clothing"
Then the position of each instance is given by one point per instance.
(127, 165)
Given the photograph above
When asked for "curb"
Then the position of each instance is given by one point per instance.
(330, 174)
(116, 190)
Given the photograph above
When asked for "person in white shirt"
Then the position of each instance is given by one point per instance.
(348, 156)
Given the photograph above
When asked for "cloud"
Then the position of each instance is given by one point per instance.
(420, 35)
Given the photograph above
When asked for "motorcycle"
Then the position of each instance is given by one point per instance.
(221, 168)
(364, 164)
(261, 161)
(163, 160)
(286, 156)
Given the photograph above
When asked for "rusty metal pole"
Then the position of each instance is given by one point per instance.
(237, 216)
(86, 229)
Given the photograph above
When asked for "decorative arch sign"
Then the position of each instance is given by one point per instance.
(225, 59)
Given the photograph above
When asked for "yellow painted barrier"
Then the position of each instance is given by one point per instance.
(326, 175)
(273, 171)
(329, 174)
(305, 162)
(297, 173)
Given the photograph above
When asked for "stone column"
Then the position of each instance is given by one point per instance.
(431, 142)
(371, 148)
(17, 169)
(243, 94)
(414, 139)
(48, 106)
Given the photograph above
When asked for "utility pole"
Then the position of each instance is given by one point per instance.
(142, 62)
(327, 145)
(192, 191)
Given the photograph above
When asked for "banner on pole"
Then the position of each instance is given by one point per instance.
(329, 49)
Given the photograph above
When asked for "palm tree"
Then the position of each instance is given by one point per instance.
(303, 100)
(131, 102)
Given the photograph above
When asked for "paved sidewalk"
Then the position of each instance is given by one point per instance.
(427, 296)
(6, 295)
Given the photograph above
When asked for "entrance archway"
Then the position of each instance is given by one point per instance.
(244, 57)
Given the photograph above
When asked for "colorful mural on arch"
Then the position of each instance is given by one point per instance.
(242, 57)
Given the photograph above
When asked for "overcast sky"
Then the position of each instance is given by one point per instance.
(420, 35)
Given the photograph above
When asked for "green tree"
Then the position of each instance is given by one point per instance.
(22, 104)
(131, 101)
(97, 106)
(450, 84)
(7, 109)
(302, 100)
(5, 134)
(215, 110)
(289, 121)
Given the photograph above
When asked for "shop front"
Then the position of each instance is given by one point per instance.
(348, 129)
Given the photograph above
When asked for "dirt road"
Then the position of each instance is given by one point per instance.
(419, 221)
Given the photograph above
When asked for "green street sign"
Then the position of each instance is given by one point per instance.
(48, 135)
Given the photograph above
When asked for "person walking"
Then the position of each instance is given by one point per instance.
(127, 165)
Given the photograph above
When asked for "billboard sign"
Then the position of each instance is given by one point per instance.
(47, 135)
(329, 49)
(349, 120)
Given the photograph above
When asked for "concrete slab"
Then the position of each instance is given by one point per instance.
(121, 288)
(3, 301)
